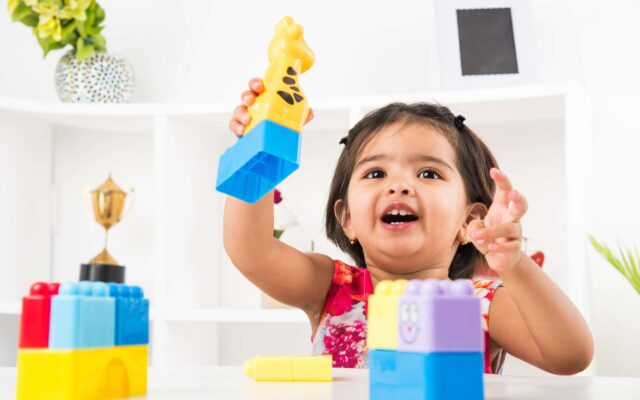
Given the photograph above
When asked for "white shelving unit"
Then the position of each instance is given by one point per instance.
(204, 311)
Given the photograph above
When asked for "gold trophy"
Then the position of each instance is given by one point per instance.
(108, 202)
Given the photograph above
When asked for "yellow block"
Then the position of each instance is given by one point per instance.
(289, 368)
(82, 374)
(382, 315)
(283, 101)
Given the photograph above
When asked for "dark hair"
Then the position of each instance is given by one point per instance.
(473, 160)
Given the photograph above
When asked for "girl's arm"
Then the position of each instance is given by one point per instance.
(298, 279)
(530, 317)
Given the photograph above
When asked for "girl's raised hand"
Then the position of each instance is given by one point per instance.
(498, 236)
(240, 118)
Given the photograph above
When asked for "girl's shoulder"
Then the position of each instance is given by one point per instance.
(349, 285)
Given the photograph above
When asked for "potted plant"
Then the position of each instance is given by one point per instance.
(86, 73)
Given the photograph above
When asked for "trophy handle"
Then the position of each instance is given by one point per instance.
(131, 196)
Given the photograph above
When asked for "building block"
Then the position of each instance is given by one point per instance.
(259, 161)
(382, 374)
(382, 315)
(36, 309)
(439, 316)
(131, 315)
(82, 316)
(289, 368)
(82, 374)
(257, 166)
(440, 376)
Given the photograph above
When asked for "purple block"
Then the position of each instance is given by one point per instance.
(439, 316)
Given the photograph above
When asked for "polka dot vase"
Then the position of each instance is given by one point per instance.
(102, 78)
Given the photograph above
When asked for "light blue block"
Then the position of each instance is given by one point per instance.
(440, 376)
(82, 316)
(132, 315)
(382, 375)
(259, 161)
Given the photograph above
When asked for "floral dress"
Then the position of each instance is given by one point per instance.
(342, 332)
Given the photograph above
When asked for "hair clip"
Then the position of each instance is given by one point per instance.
(344, 140)
(459, 121)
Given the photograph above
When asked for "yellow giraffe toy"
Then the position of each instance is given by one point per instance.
(269, 150)
(282, 100)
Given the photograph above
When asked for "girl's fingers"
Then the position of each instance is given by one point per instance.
(504, 247)
(239, 120)
(236, 127)
(503, 186)
(241, 114)
(256, 85)
(518, 206)
(248, 97)
(508, 231)
(309, 116)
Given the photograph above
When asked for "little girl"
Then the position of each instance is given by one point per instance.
(415, 195)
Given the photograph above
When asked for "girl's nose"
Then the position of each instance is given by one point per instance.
(401, 188)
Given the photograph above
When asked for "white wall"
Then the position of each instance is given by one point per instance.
(208, 49)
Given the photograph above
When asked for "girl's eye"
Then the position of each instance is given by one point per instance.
(375, 174)
(429, 174)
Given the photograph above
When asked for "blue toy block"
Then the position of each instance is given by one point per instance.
(382, 374)
(82, 316)
(439, 316)
(132, 314)
(259, 161)
(440, 376)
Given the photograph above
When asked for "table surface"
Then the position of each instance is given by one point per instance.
(348, 384)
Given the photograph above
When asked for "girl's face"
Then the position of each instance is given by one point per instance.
(406, 202)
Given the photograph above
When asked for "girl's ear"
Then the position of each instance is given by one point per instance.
(477, 211)
(342, 214)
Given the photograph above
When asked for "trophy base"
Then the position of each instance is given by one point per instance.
(102, 273)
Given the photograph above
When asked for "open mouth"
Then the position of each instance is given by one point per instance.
(398, 216)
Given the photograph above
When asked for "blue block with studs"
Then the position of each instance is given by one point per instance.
(132, 315)
(259, 161)
(82, 316)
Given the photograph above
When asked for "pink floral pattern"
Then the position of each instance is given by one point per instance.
(342, 332)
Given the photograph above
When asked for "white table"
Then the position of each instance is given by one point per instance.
(229, 383)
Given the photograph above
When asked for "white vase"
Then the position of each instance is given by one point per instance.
(102, 78)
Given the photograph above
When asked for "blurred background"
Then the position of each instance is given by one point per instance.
(203, 52)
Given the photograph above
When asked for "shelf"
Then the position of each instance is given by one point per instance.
(10, 308)
(237, 315)
(514, 103)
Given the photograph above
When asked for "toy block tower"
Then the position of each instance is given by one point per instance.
(96, 342)
(382, 338)
(269, 150)
(438, 352)
(440, 341)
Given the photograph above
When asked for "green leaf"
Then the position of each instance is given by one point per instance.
(25, 14)
(100, 15)
(67, 29)
(49, 44)
(83, 50)
(71, 39)
(629, 267)
(99, 42)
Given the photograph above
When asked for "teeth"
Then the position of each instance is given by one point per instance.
(399, 212)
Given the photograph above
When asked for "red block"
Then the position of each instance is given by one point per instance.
(34, 322)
